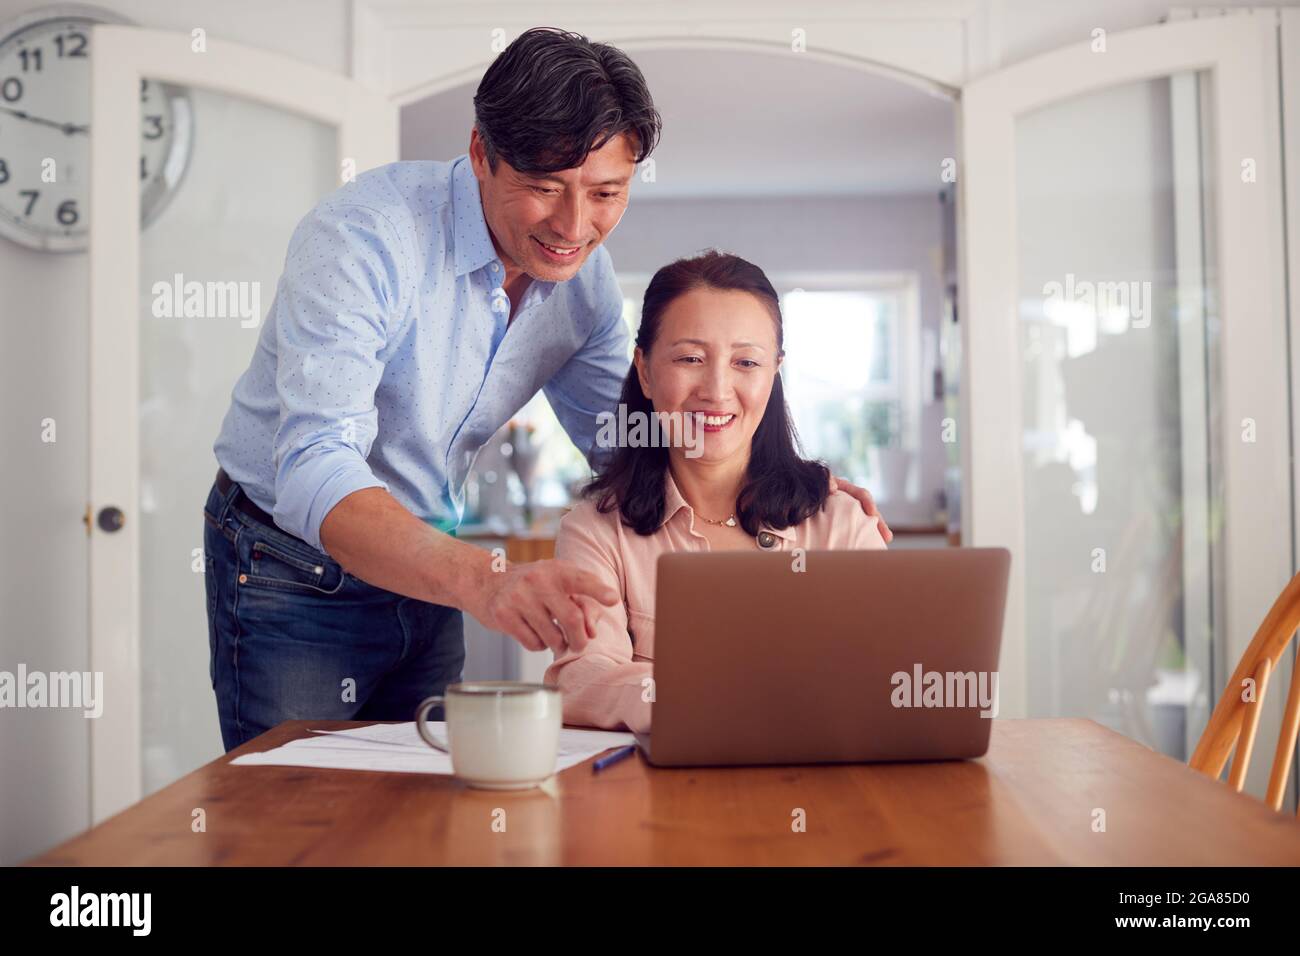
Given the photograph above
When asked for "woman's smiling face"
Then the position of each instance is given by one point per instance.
(716, 356)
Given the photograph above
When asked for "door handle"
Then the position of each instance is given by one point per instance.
(111, 519)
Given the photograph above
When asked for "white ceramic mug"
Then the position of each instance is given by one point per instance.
(501, 735)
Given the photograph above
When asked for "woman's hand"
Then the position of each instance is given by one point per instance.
(868, 503)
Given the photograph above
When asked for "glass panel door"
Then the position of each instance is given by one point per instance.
(1116, 409)
(208, 271)
(1124, 423)
(220, 155)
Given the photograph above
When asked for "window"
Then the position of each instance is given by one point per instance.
(851, 372)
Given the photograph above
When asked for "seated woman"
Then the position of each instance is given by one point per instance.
(709, 346)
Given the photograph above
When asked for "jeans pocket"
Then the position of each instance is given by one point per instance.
(273, 566)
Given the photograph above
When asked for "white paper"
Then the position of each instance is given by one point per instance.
(397, 748)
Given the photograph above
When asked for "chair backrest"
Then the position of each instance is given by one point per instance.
(1236, 716)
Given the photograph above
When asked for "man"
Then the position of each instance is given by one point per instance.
(420, 307)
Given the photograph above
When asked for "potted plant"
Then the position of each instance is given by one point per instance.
(884, 427)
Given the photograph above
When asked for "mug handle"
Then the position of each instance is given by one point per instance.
(422, 728)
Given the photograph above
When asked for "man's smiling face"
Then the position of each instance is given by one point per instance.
(547, 224)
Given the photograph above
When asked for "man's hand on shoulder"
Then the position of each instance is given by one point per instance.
(866, 501)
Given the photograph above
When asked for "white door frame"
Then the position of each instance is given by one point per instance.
(367, 135)
(931, 44)
(1237, 51)
(1289, 65)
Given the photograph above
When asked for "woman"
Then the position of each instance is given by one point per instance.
(709, 348)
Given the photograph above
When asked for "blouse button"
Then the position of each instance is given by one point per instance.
(766, 540)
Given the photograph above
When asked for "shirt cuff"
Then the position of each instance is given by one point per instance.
(314, 488)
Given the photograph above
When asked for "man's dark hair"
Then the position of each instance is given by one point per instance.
(781, 488)
(551, 97)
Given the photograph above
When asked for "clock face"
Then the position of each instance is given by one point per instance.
(45, 132)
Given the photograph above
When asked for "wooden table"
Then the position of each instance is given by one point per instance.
(1030, 800)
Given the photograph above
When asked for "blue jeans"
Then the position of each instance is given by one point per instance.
(294, 636)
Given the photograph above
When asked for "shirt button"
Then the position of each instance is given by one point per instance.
(495, 267)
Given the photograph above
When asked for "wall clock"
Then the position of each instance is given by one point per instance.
(45, 129)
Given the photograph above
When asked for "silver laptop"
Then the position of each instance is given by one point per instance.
(854, 656)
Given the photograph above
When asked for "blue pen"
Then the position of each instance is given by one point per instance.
(615, 757)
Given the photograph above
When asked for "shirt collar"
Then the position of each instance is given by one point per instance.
(473, 241)
(674, 502)
(474, 247)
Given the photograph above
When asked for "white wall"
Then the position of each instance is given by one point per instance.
(44, 754)
(1019, 29)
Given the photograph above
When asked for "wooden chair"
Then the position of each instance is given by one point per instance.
(1235, 721)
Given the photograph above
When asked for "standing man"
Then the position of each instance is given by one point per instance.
(420, 307)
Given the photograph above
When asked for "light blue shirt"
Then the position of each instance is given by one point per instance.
(387, 358)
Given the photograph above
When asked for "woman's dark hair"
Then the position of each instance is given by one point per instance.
(551, 97)
(782, 488)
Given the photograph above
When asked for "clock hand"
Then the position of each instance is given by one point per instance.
(68, 128)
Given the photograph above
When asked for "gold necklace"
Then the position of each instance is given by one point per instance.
(730, 522)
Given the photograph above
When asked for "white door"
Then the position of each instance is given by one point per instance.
(1124, 334)
(262, 139)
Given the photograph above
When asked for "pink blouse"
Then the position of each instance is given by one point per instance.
(605, 685)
